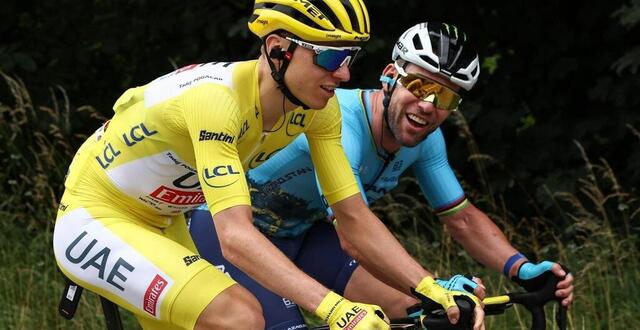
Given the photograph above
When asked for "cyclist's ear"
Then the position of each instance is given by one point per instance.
(387, 76)
(273, 44)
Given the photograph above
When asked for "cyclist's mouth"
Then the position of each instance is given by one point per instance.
(416, 121)
(328, 89)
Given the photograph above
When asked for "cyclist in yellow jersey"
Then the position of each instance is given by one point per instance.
(190, 136)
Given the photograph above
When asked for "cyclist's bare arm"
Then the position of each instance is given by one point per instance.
(369, 241)
(486, 243)
(248, 249)
(480, 237)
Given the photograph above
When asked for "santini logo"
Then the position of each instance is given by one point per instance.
(218, 136)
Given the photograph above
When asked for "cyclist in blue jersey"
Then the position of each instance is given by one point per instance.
(385, 132)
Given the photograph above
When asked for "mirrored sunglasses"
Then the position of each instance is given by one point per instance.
(327, 57)
(429, 90)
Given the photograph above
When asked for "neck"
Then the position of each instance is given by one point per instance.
(382, 135)
(271, 97)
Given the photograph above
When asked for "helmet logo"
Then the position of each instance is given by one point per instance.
(263, 21)
(401, 47)
(311, 9)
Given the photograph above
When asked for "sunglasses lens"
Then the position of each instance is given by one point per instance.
(431, 91)
(333, 59)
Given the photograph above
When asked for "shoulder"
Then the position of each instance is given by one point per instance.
(231, 78)
(433, 145)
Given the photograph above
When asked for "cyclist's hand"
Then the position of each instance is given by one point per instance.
(532, 277)
(466, 283)
(430, 293)
(340, 313)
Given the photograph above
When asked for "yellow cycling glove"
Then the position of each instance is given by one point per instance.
(342, 314)
(429, 289)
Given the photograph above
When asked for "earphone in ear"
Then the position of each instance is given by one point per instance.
(277, 53)
(388, 79)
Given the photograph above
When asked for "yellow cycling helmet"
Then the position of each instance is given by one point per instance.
(312, 20)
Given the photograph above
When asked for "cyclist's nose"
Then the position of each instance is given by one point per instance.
(343, 73)
(427, 107)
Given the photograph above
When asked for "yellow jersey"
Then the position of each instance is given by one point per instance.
(189, 136)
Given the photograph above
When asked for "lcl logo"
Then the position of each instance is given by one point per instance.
(217, 172)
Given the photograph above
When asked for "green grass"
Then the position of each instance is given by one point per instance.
(598, 239)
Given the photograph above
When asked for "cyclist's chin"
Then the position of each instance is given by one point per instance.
(412, 140)
(318, 101)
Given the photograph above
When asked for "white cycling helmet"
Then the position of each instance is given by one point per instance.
(439, 48)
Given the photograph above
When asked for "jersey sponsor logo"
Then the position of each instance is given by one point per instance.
(216, 136)
(188, 260)
(275, 183)
(297, 119)
(152, 295)
(93, 252)
(243, 129)
(220, 176)
(222, 269)
(392, 179)
(288, 303)
(397, 166)
(178, 197)
(187, 181)
(113, 273)
(261, 157)
(109, 154)
(136, 134)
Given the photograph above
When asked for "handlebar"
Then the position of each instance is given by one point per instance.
(534, 302)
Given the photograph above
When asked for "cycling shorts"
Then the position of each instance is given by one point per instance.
(317, 252)
(154, 273)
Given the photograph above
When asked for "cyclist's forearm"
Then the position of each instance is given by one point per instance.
(480, 237)
(375, 248)
(244, 246)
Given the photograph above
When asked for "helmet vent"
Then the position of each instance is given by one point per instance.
(329, 14)
(352, 15)
(461, 76)
(430, 61)
(417, 44)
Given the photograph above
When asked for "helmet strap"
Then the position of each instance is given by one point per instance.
(278, 74)
(385, 106)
